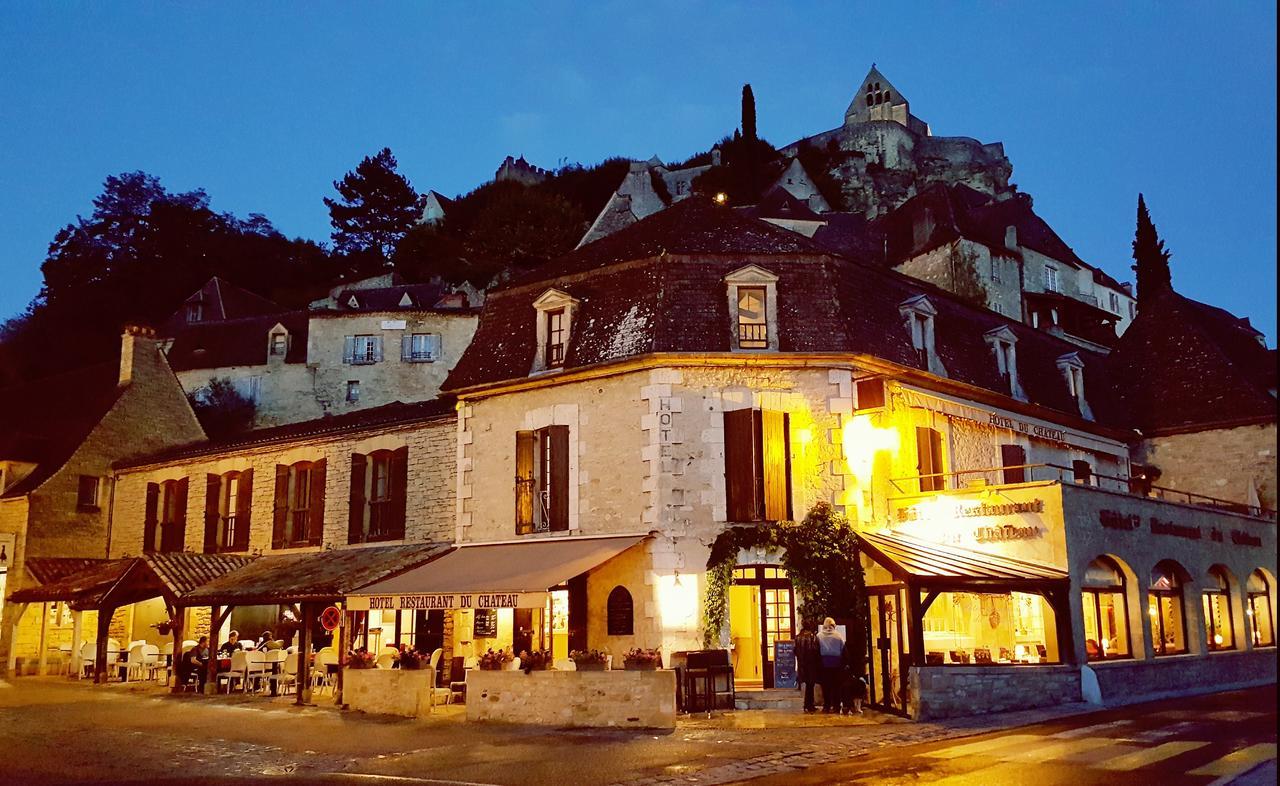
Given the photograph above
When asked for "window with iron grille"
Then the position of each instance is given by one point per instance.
(298, 516)
(753, 327)
(379, 492)
(542, 480)
(362, 350)
(555, 338)
(164, 528)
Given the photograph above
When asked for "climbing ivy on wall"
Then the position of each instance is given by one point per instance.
(820, 554)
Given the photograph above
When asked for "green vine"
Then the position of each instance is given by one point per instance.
(820, 555)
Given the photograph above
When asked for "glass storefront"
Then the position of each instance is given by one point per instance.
(1219, 634)
(1106, 621)
(986, 628)
(1258, 610)
(1164, 606)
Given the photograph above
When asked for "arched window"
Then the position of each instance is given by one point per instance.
(1106, 619)
(1258, 610)
(621, 613)
(1218, 631)
(1168, 633)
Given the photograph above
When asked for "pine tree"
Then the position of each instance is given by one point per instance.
(1149, 253)
(748, 113)
(377, 207)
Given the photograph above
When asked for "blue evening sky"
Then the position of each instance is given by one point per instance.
(265, 104)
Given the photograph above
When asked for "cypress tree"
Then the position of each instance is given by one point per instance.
(1149, 253)
(748, 113)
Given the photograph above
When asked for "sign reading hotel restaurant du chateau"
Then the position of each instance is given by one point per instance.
(1131, 521)
(448, 602)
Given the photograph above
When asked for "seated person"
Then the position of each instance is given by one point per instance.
(263, 641)
(195, 660)
(232, 644)
(1091, 648)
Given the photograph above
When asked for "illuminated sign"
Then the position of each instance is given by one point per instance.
(982, 510)
(448, 601)
(1130, 522)
(1005, 532)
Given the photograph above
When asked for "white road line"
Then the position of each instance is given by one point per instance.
(1141, 758)
(983, 746)
(1051, 750)
(1237, 762)
(1088, 731)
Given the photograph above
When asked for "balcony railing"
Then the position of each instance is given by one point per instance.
(969, 479)
(753, 335)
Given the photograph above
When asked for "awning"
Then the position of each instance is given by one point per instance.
(925, 563)
(98, 576)
(496, 576)
(119, 582)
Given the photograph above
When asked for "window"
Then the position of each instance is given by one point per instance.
(164, 526)
(1106, 619)
(1133, 309)
(757, 465)
(1164, 606)
(1003, 342)
(555, 314)
(870, 393)
(1114, 300)
(1258, 610)
(87, 493)
(988, 628)
(542, 480)
(620, 618)
(279, 344)
(1219, 634)
(929, 464)
(420, 348)
(555, 338)
(353, 391)
(379, 489)
(753, 327)
(1072, 368)
(919, 315)
(1082, 472)
(362, 350)
(995, 269)
(298, 511)
(1051, 280)
(195, 311)
(1014, 460)
(228, 505)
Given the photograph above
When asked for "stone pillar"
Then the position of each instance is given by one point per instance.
(12, 663)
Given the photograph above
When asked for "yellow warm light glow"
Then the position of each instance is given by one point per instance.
(721, 198)
(1217, 639)
(678, 602)
(861, 440)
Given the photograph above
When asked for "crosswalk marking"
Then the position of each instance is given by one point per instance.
(1145, 756)
(1086, 731)
(1237, 762)
(1232, 715)
(983, 746)
(1038, 754)
(1155, 735)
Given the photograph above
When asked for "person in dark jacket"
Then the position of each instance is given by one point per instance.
(854, 690)
(808, 662)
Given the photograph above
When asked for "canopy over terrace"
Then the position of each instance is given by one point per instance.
(309, 580)
(105, 585)
(493, 576)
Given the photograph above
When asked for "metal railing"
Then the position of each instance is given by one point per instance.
(969, 479)
(753, 334)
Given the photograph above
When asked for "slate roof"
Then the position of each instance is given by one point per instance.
(1182, 363)
(237, 342)
(423, 297)
(312, 576)
(130, 579)
(658, 286)
(781, 203)
(393, 414)
(45, 420)
(95, 578)
(47, 569)
(925, 561)
(222, 300)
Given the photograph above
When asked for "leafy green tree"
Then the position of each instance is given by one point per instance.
(376, 208)
(221, 409)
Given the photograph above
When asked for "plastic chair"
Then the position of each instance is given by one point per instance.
(135, 662)
(385, 661)
(256, 669)
(436, 691)
(564, 664)
(320, 676)
(512, 665)
(238, 671)
(151, 665)
(88, 655)
(288, 674)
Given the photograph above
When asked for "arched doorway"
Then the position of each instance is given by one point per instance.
(761, 611)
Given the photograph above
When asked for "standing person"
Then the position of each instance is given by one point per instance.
(808, 662)
(831, 650)
(855, 681)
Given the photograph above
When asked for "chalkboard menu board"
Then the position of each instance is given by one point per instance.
(486, 624)
(784, 664)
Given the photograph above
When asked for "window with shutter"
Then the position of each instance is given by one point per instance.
(555, 477)
(524, 481)
(280, 509)
(356, 500)
(542, 480)
(740, 460)
(929, 464)
(212, 496)
(315, 505)
(870, 393)
(777, 465)
(151, 520)
(1013, 458)
(243, 510)
(757, 465)
(173, 515)
(620, 613)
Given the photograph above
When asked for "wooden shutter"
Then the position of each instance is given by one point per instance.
(244, 510)
(315, 510)
(406, 347)
(178, 527)
(929, 458)
(435, 345)
(349, 349)
(558, 483)
(870, 393)
(399, 490)
(1081, 471)
(578, 610)
(212, 489)
(377, 349)
(355, 511)
(776, 454)
(1013, 457)
(152, 519)
(280, 510)
(740, 461)
(524, 481)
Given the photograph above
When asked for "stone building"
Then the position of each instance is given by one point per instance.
(58, 439)
(521, 171)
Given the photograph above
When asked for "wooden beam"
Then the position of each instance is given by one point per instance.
(304, 655)
(178, 615)
(44, 643)
(19, 610)
(216, 618)
(928, 601)
(100, 660)
(915, 625)
(77, 633)
(341, 636)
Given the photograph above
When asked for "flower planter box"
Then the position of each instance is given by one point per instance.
(584, 699)
(644, 666)
(405, 692)
(595, 666)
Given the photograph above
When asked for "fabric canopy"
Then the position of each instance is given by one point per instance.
(505, 575)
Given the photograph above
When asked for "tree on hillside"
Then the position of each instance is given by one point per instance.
(376, 208)
(748, 112)
(222, 409)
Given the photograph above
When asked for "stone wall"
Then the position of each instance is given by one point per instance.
(1241, 455)
(972, 271)
(285, 390)
(592, 699)
(952, 691)
(405, 692)
(1181, 675)
(429, 511)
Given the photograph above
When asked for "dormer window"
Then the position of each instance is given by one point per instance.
(195, 311)
(406, 301)
(352, 302)
(918, 314)
(1051, 280)
(1003, 343)
(279, 344)
(555, 310)
(1072, 368)
(753, 309)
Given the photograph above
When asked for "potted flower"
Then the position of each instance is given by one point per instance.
(538, 660)
(642, 660)
(410, 658)
(164, 627)
(361, 659)
(495, 661)
(589, 660)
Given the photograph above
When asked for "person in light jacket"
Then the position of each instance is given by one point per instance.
(831, 650)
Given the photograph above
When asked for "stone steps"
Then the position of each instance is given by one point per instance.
(771, 699)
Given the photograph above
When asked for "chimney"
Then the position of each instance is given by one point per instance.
(715, 156)
(134, 336)
(1011, 238)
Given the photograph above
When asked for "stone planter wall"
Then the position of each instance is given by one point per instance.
(955, 691)
(1125, 680)
(618, 698)
(404, 692)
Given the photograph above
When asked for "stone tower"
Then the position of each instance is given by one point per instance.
(878, 99)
